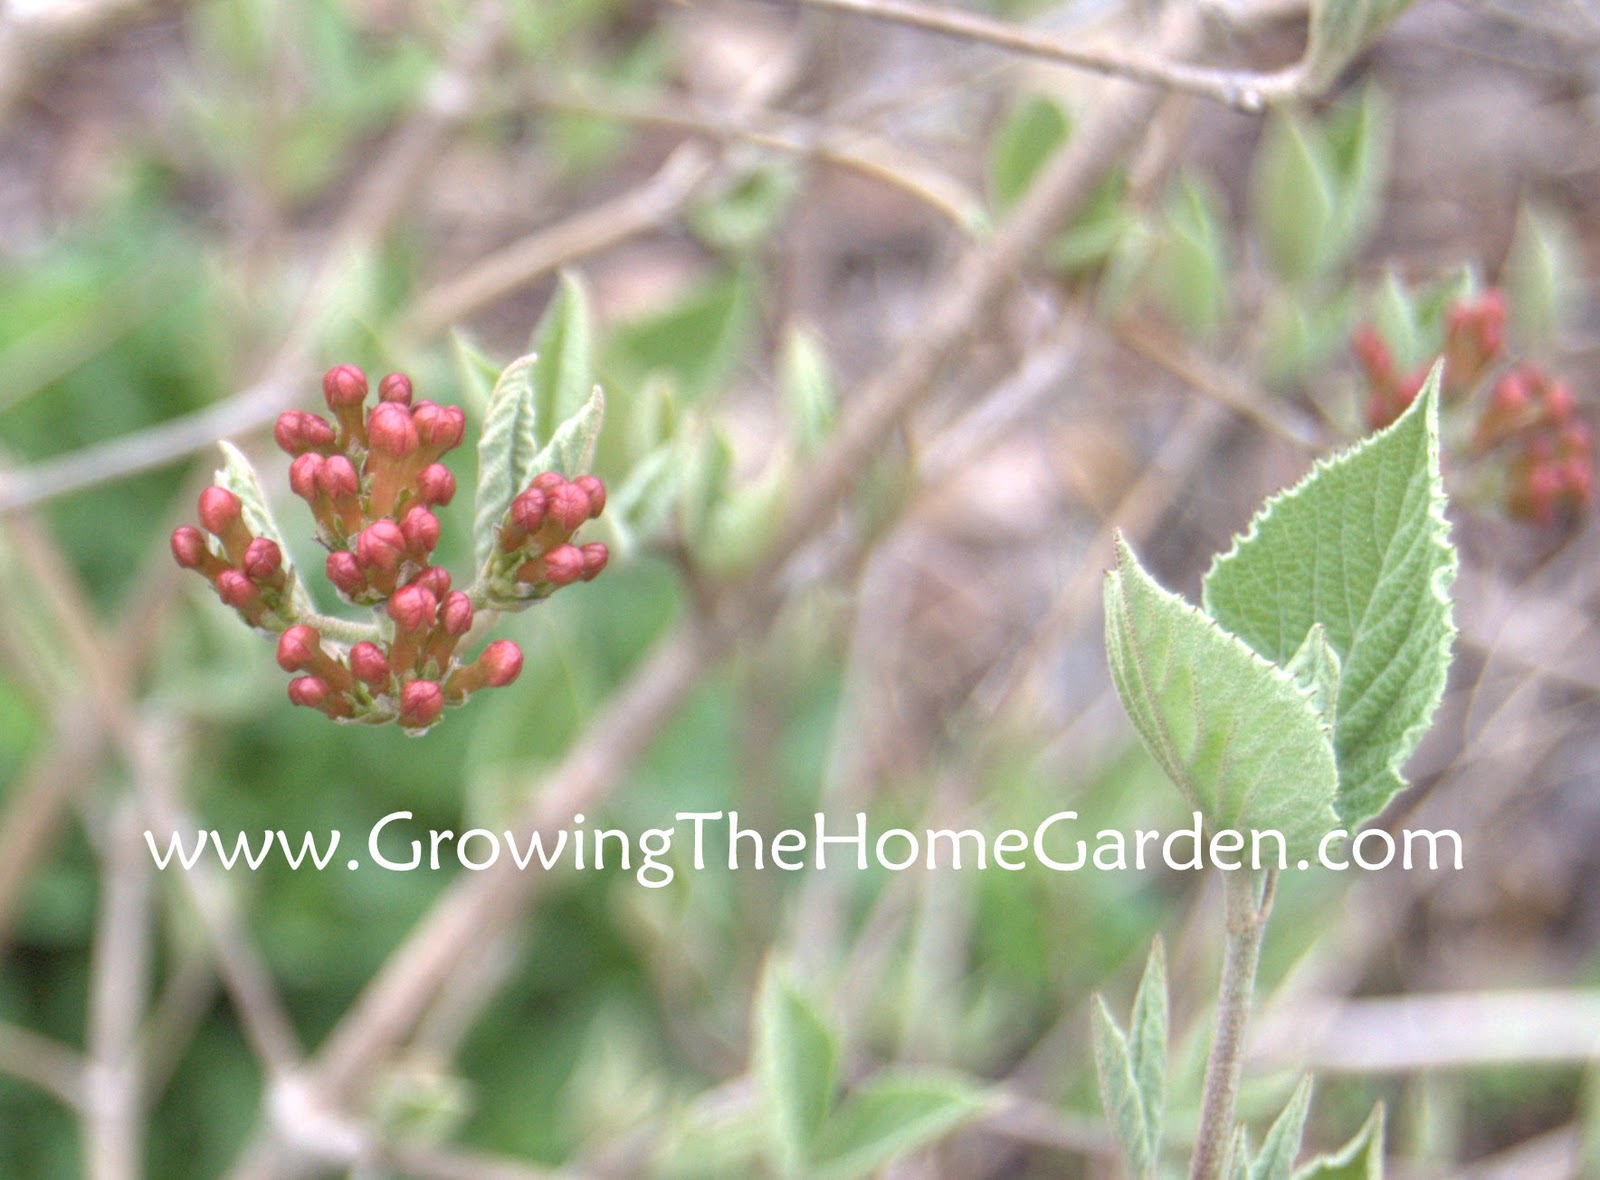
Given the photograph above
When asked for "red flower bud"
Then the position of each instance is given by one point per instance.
(1558, 402)
(413, 608)
(435, 579)
(1372, 353)
(421, 531)
(263, 560)
(337, 478)
(190, 549)
(591, 487)
(236, 589)
(370, 665)
(287, 432)
(436, 485)
(299, 648)
(381, 545)
(396, 387)
(440, 428)
(317, 432)
(421, 702)
(309, 691)
(548, 481)
(527, 516)
(344, 386)
(345, 572)
(304, 475)
(501, 662)
(455, 613)
(220, 510)
(568, 506)
(390, 430)
(595, 556)
(563, 565)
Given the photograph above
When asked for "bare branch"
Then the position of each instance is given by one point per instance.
(42, 1062)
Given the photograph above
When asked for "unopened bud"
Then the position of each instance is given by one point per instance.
(304, 476)
(592, 487)
(436, 486)
(344, 386)
(299, 648)
(435, 579)
(563, 565)
(220, 510)
(501, 662)
(413, 608)
(309, 691)
(337, 478)
(370, 665)
(190, 549)
(396, 387)
(236, 589)
(568, 506)
(455, 613)
(595, 556)
(381, 545)
(263, 560)
(390, 430)
(345, 572)
(525, 517)
(287, 433)
(421, 702)
(421, 531)
(440, 428)
(1558, 402)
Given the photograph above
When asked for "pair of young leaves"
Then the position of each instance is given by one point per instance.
(1292, 700)
(1132, 1066)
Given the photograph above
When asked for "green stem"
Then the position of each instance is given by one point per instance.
(341, 630)
(1247, 900)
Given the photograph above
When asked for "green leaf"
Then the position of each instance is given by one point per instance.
(795, 1057)
(1359, 138)
(1031, 134)
(506, 450)
(744, 523)
(1340, 29)
(643, 501)
(747, 211)
(1234, 732)
(564, 376)
(1541, 282)
(1189, 269)
(708, 466)
(1147, 1047)
(1238, 1165)
(1362, 547)
(1315, 668)
(888, 1117)
(1119, 1092)
(238, 475)
(1282, 1144)
(1295, 197)
(571, 448)
(1398, 319)
(697, 341)
(475, 372)
(809, 394)
(1360, 1159)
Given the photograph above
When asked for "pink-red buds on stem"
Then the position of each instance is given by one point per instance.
(374, 481)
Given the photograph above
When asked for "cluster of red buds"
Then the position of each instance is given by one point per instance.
(1527, 419)
(372, 479)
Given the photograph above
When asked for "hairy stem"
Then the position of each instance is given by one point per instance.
(1247, 901)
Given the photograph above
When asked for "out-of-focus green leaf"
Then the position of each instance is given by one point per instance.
(1025, 141)
(888, 1117)
(1296, 197)
(1340, 29)
(1276, 1159)
(1189, 269)
(1360, 1159)
(1541, 278)
(795, 1056)
(696, 341)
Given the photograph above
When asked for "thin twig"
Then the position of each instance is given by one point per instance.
(1244, 90)
(53, 1067)
(118, 985)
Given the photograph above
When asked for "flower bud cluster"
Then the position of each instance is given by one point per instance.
(246, 571)
(534, 555)
(372, 478)
(1526, 422)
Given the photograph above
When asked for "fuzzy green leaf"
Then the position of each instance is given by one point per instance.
(1295, 197)
(1147, 1048)
(1030, 135)
(564, 375)
(888, 1117)
(506, 450)
(809, 395)
(1340, 29)
(1539, 274)
(1238, 1165)
(1235, 733)
(571, 448)
(1189, 268)
(238, 475)
(795, 1058)
(1362, 547)
(1282, 1144)
(1360, 1159)
(1119, 1092)
(1315, 668)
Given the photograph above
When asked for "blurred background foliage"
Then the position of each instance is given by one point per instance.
(184, 187)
